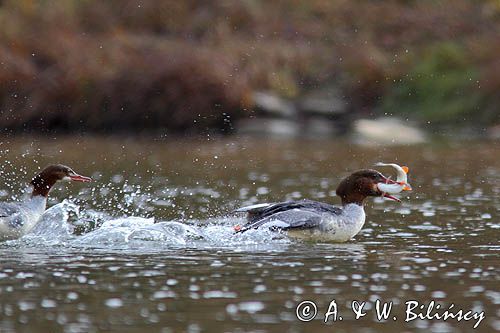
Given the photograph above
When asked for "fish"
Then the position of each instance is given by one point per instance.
(401, 180)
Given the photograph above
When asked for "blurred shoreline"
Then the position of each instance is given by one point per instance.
(190, 67)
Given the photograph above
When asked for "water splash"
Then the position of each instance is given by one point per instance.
(59, 223)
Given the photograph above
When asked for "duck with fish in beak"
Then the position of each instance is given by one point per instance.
(313, 220)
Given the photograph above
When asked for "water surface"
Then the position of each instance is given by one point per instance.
(162, 256)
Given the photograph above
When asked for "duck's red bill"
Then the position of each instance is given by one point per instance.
(80, 178)
(388, 196)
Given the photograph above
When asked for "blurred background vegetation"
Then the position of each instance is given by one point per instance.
(188, 66)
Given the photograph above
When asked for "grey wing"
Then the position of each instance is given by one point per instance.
(254, 211)
(253, 208)
(287, 220)
(261, 211)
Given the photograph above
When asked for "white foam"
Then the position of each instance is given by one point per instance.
(57, 225)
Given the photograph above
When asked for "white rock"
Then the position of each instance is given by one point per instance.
(273, 104)
(269, 127)
(387, 131)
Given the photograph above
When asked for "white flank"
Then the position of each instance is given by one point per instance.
(335, 228)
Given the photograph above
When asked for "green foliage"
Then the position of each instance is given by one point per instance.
(440, 88)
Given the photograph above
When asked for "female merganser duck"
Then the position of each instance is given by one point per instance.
(18, 219)
(320, 221)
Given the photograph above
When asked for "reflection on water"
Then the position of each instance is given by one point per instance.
(162, 255)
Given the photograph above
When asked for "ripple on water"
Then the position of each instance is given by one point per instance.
(114, 303)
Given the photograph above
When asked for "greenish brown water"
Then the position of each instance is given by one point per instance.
(131, 275)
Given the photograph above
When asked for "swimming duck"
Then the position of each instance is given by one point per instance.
(317, 220)
(19, 218)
